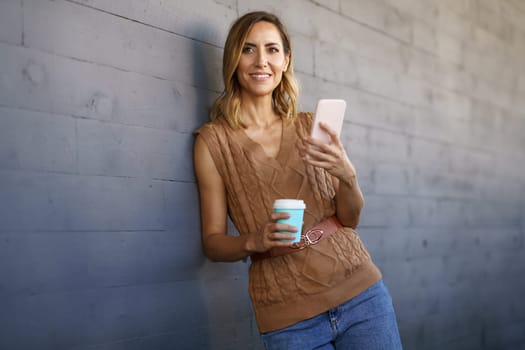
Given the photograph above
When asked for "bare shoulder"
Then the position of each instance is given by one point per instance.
(203, 162)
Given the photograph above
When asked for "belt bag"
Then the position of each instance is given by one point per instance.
(313, 236)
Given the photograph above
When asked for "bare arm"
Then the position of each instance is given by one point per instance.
(349, 201)
(217, 244)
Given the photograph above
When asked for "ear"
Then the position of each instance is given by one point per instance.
(286, 62)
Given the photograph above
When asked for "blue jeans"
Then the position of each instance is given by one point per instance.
(366, 322)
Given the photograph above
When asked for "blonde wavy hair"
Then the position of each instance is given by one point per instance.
(284, 97)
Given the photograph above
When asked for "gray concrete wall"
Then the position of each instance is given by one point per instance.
(99, 232)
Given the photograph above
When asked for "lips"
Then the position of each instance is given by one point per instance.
(260, 76)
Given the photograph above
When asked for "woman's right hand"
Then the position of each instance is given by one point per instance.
(269, 236)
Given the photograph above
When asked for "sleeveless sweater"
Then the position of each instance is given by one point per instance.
(289, 288)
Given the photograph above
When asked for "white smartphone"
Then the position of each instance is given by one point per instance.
(330, 112)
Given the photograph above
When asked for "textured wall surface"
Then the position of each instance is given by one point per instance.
(99, 224)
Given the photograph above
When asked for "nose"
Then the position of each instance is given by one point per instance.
(262, 60)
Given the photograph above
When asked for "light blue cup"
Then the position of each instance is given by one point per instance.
(294, 207)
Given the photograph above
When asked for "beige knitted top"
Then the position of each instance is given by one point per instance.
(294, 287)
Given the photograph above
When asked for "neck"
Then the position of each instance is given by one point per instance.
(258, 113)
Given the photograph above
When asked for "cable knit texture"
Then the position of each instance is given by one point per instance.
(293, 287)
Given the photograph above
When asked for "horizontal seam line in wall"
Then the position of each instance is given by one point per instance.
(464, 94)
(355, 86)
(419, 137)
(415, 196)
(105, 65)
(403, 103)
(50, 172)
(439, 58)
(404, 42)
(363, 229)
(410, 43)
(372, 28)
(143, 23)
(171, 180)
(366, 25)
(80, 117)
(80, 290)
(359, 88)
(37, 231)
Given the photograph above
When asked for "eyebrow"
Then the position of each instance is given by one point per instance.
(268, 44)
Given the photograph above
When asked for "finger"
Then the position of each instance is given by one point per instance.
(326, 128)
(310, 141)
(280, 236)
(331, 132)
(326, 153)
(282, 227)
(321, 148)
(317, 158)
(279, 216)
(279, 239)
(320, 163)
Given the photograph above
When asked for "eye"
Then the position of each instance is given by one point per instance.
(273, 49)
(247, 49)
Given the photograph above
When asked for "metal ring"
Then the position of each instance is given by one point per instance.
(315, 240)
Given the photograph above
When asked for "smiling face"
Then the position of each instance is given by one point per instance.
(262, 62)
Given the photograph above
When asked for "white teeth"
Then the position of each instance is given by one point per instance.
(260, 76)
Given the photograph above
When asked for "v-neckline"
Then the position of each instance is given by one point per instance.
(282, 154)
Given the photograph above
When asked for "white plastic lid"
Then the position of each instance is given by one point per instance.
(289, 204)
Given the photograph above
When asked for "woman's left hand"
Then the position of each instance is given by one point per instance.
(332, 157)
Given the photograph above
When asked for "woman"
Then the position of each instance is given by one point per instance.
(257, 149)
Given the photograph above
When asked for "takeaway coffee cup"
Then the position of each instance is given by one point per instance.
(294, 207)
